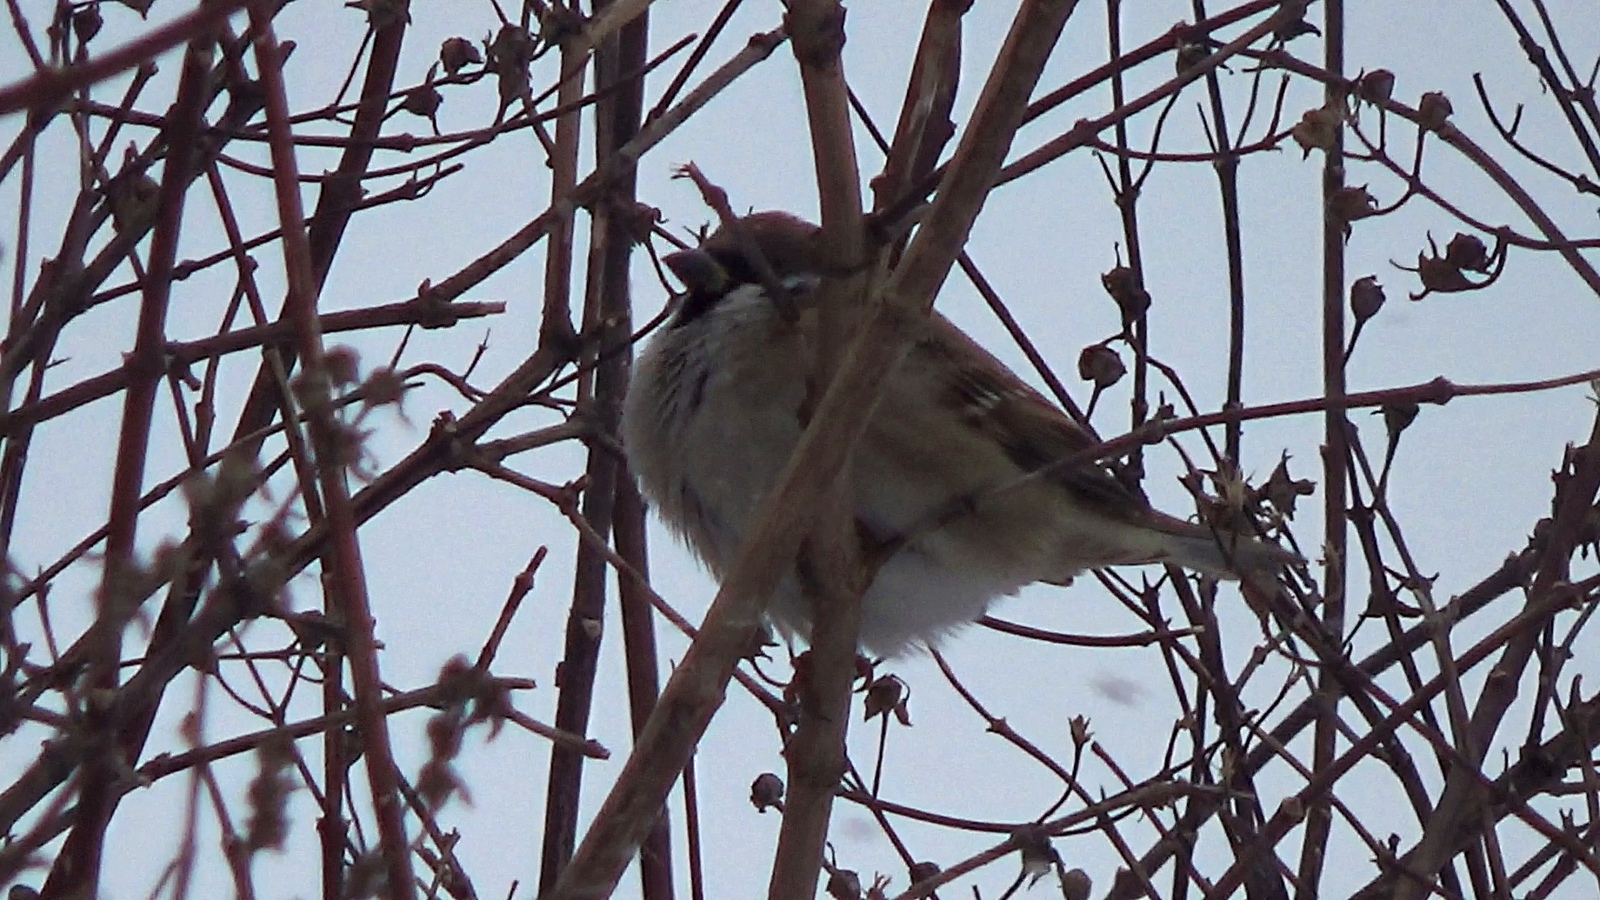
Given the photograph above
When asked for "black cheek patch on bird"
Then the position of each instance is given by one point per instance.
(695, 305)
(738, 269)
(732, 271)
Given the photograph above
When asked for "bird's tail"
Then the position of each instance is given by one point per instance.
(1226, 554)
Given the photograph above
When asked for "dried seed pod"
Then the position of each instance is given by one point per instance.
(1191, 54)
(1318, 129)
(456, 53)
(1101, 365)
(1122, 283)
(508, 57)
(343, 363)
(1434, 110)
(1076, 885)
(1294, 28)
(1397, 417)
(1351, 203)
(886, 695)
(1376, 87)
(384, 386)
(1038, 855)
(766, 791)
(383, 13)
(1467, 251)
(86, 23)
(1440, 274)
(422, 100)
(1079, 726)
(1282, 491)
(1293, 808)
(844, 884)
(1366, 297)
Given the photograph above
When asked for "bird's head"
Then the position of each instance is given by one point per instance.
(721, 264)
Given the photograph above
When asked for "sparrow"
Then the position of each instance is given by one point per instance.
(715, 408)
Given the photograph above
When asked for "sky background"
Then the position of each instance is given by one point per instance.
(1470, 481)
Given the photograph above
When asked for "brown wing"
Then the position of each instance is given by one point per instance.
(1033, 431)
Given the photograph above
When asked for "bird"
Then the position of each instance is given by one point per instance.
(716, 403)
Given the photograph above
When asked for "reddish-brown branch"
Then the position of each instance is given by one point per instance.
(77, 869)
(48, 87)
(585, 615)
(1457, 807)
(348, 583)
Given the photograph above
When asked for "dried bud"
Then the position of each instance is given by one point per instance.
(438, 781)
(511, 50)
(382, 387)
(1122, 283)
(1101, 365)
(1399, 416)
(86, 23)
(1076, 885)
(1037, 853)
(1294, 28)
(922, 871)
(455, 681)
(1467, 251)
(1080, 731)
(343, 364)
(1349, 204)
(383, 13)
(445, 735)
(422, 100)
(268, 793)
(844, 884)
(1318, 129)
(455, 53)
(134, 200)
(1434, 110)
(1191, 54)
(558, 21)
(514, 87)
(1366, 297)
(884, 695)
(1440, 274)
(1376, 87)
(1293, 808)
(508, 57)
(766, 791)
(1282, 491)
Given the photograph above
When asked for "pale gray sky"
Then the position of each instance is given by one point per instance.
(1471, 479)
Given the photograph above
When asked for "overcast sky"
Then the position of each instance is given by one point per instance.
(1470, 481)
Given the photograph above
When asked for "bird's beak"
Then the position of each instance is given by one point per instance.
(698, 270)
